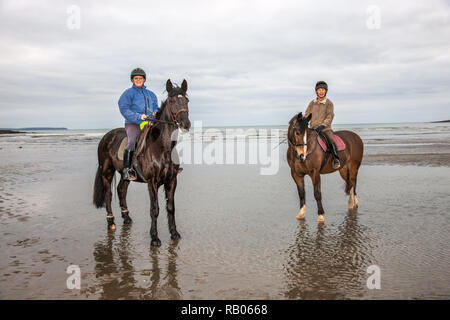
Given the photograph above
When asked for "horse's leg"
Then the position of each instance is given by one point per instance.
(354, 167)
(122, 188)
(345, 174)
(154, 212)
(107, 176)
(315, 177)
(349, 173)
(300, 181)
(170, 202)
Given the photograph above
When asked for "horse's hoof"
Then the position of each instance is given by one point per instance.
(111, 224)
(321, 218)
(302, 213)
(175, 236)
(156, 242)
(127, 220)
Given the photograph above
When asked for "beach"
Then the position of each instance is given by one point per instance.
(240, 238)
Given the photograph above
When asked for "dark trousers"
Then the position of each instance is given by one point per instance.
(132, 130)
(329, 135)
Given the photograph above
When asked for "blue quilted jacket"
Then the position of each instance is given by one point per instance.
(136, 101)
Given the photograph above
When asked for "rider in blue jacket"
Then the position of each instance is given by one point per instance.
(136, 104)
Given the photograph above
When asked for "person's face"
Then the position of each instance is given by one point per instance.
(321, 92)
(138, 81)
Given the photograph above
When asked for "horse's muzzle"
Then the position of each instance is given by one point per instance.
(301, 157)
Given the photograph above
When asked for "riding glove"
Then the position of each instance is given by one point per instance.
(320, 128)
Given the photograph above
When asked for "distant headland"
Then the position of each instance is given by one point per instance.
(22, 130)
(440, 121)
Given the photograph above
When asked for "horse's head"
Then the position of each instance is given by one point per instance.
(297, 134)
(177, 104)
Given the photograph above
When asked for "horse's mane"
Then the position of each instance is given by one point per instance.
(174, 92)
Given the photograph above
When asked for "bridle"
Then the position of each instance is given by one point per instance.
(174, 116)
(301, 157)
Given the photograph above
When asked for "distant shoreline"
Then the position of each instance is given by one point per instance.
(10, 131)
(19, 130)
(35, 128)
(442, 121)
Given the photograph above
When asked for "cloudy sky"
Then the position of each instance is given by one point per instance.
(246, 62)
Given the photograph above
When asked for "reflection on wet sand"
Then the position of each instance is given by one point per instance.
(328, 264)
(117, 278)
(169, 289)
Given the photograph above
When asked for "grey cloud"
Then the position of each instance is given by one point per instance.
(247, 62)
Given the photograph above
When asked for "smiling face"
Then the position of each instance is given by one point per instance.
(138, 81)
(321, 93)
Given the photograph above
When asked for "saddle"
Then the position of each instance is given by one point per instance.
(138, 147)
(324, 143)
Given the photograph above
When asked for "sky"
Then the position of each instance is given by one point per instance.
(66, 63)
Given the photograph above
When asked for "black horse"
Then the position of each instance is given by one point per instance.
(155, 161)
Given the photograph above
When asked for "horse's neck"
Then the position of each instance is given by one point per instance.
(167, 130)
(311, 138)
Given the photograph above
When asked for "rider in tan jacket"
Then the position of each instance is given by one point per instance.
(322, 110)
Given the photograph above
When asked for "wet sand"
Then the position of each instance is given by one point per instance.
(430, 160)
(240, 238)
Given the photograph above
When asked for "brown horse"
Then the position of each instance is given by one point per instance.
(305, 156)
(155, 160)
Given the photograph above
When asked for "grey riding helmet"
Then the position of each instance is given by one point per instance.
(137, 72)
(321, 84)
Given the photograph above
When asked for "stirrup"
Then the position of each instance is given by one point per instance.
(129, 174)
(336, 163)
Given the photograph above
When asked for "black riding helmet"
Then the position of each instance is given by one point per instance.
(138, 72)
(321, 84)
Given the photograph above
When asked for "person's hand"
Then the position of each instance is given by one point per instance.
(320, 128)
(154, 114)
(144, 117)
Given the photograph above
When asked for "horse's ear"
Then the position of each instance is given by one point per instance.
(184, 85)
(299, 116)
(294, 119)
(308, 118)
(169, 86)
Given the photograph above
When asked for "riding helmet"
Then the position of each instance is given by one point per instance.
(321, 84)
(137, 72)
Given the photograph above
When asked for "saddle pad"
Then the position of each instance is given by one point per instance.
(122, 147)
(140, 143)
(339, 143)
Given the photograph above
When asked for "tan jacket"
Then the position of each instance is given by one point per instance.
(322, 113)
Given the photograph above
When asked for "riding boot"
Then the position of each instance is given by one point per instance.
(336, 162)
(128, 172)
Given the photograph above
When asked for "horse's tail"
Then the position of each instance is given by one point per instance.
(99, 189)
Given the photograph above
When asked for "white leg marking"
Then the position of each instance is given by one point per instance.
(351, 200)
(302, 213)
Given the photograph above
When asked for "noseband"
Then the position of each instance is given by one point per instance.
(174, 116)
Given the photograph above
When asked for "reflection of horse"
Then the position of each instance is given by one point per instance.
(155, 161)
(117, 275)
(329, 264)
(305, 157)
(170, 289)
